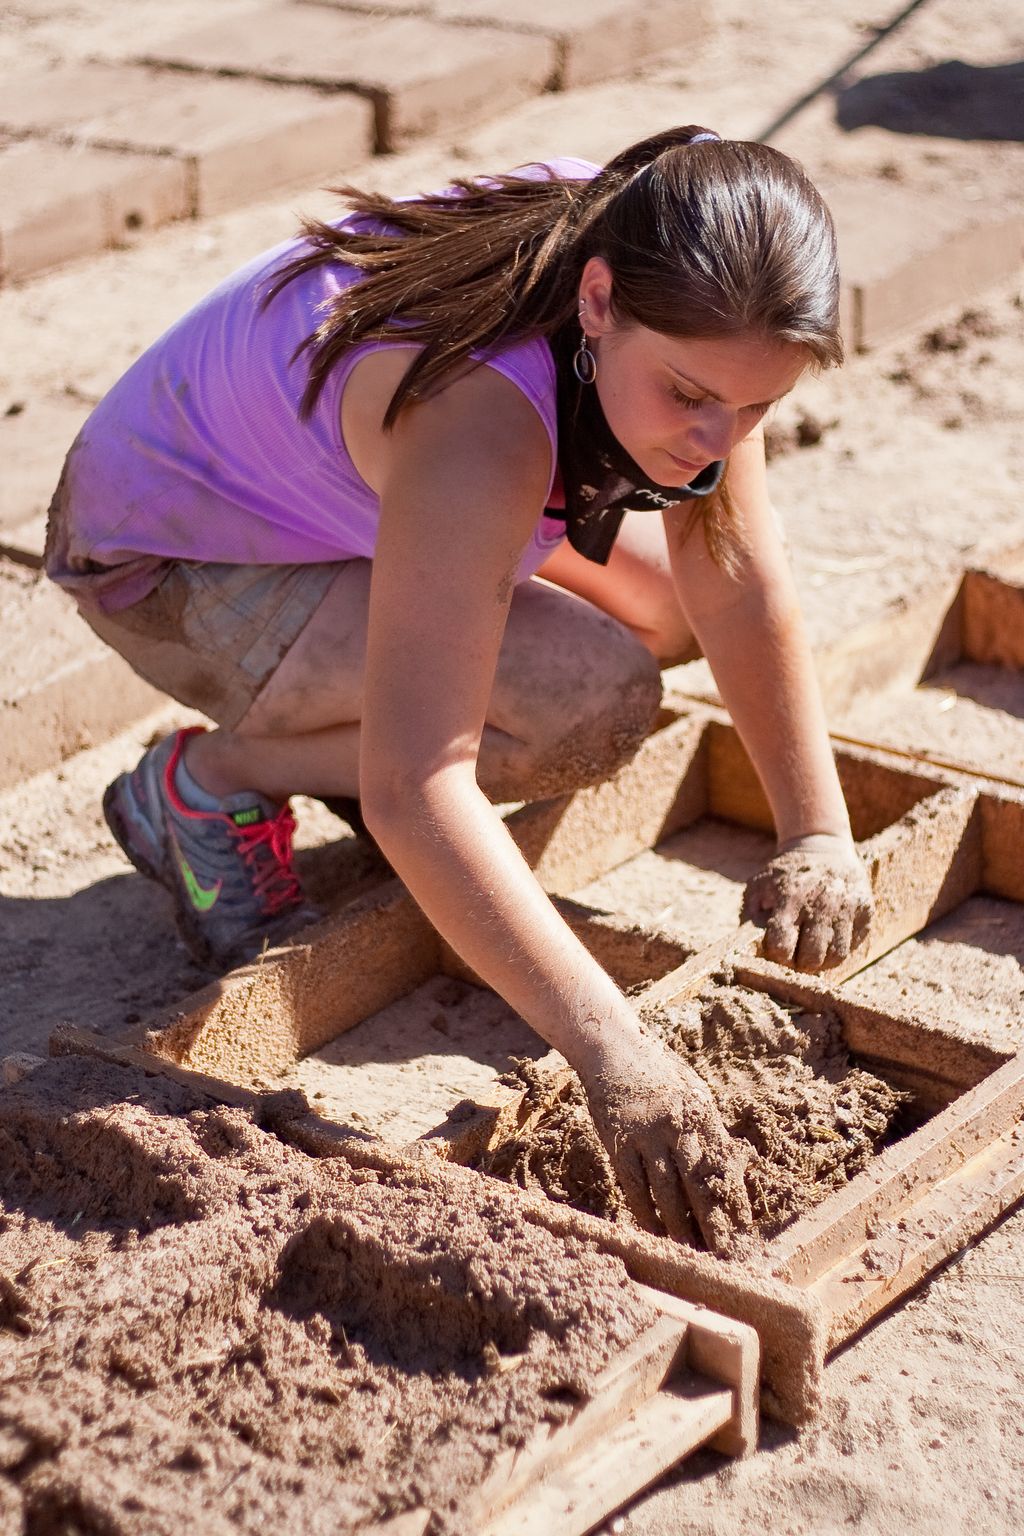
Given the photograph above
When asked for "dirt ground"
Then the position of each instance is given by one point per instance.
(889, 477)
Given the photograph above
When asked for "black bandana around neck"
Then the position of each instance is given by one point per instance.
(601, 481)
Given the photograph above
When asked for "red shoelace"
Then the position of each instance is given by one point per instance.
(266, 847)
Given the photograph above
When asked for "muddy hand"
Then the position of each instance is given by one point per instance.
(814, 901)
(671, 1153)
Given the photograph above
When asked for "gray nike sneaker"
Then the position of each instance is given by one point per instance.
(229, 871)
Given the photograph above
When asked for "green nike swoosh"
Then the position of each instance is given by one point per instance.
(201, 899)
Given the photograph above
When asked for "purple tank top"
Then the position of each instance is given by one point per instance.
(198, 453)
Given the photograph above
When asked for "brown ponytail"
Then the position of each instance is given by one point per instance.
(711, 239)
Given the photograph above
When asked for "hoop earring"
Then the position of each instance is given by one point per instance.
(584, 363)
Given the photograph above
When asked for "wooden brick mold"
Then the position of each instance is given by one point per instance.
(401, 1052)
(944, 680)
(689, 1381)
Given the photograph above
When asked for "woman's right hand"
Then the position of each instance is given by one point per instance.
(671, 1153)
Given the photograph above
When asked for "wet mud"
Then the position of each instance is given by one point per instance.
(202, 1328)
(806, 1117)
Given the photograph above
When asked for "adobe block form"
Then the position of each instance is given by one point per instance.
(944, 680)
(963, 970)
(671, 841)
(938, 690)
(422, 77)
(690, 1380)
(237, 139)
(401, 1051)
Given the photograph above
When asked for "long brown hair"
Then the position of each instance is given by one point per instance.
(711, 239)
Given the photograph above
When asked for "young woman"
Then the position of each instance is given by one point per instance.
(314, 509)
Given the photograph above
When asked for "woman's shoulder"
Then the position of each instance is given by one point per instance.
(530, 366)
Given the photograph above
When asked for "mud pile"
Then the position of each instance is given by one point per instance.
(203, 1329)
(559, 1152)
(807, 1119)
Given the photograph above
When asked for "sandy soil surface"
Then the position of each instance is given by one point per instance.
(965, 971)
(970, 716)
(690, 886)
(888, 477)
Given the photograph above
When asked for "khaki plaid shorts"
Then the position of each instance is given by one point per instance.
(212, 635)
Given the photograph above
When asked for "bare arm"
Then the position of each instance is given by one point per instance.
(462, 485)
(460, 493)
(751, 631)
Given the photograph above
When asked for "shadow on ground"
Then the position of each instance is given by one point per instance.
(109, 956)
(951, 100)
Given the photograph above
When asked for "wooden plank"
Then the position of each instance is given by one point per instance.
(631, 1379)
(949, 767)
(947, 1216)
(259, 1019)
(1002, 837)
(608, 1473)
(878, 788)
(689, 977)
(899, 1176)
(648, 1399)
(69, 1040)
(993, 620)
(727, 1352)
(920, 868)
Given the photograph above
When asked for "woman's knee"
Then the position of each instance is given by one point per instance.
(318, 683)
(604, 736)
(576, 719)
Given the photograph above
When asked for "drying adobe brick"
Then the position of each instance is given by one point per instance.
(203, 1329)
(807, 1119)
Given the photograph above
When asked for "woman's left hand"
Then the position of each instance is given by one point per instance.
(814, 901)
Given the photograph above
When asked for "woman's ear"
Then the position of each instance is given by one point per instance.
(596, 295)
